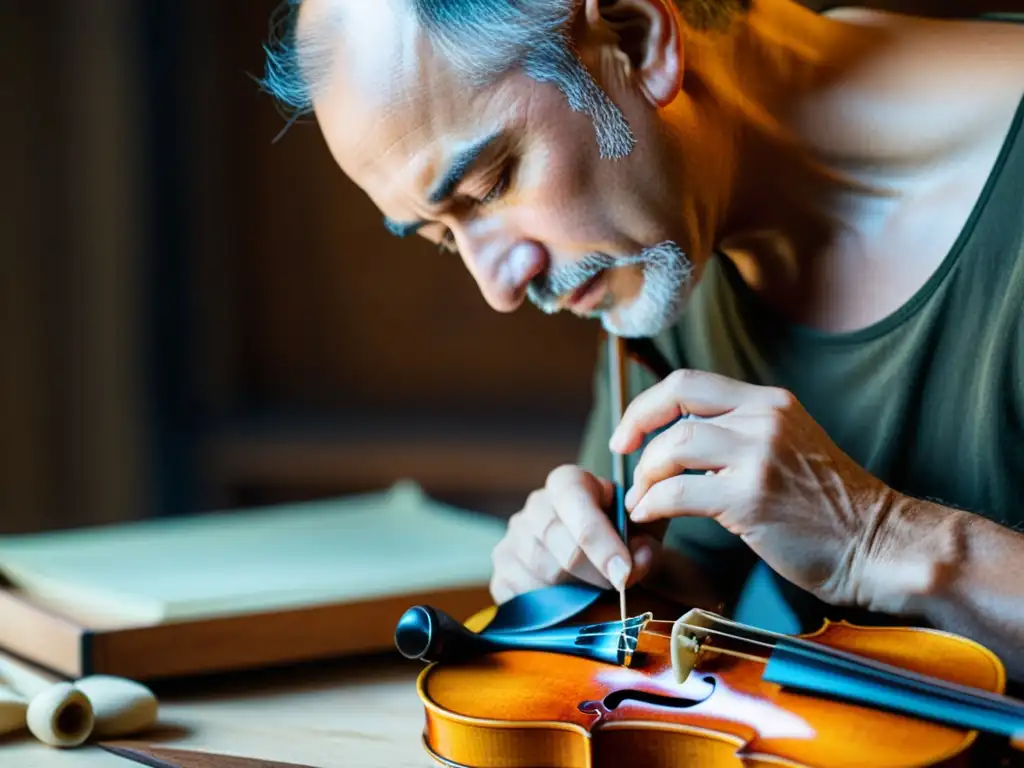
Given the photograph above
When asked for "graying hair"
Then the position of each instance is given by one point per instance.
(484, 39)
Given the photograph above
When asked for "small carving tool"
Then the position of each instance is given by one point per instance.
(617, 362)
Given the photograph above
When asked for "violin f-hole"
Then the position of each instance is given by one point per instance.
(603, 707)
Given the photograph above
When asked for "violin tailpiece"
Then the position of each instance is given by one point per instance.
(431, 635)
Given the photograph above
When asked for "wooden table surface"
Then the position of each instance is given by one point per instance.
(362, 712)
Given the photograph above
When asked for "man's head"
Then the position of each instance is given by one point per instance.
(527, 135)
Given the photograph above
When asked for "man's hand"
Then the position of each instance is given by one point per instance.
(564, 533)
(771, 475)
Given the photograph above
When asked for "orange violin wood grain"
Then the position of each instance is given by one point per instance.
(529, 709)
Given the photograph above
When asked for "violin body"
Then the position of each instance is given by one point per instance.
(528, 709)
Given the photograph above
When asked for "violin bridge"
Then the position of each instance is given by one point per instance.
(699, 631)
(684, 647)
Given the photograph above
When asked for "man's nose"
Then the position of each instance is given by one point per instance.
(505, 274)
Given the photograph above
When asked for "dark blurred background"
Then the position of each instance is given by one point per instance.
(195, 318)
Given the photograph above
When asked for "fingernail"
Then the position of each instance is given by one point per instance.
(639, 510)
(618, 441)
(618, 572)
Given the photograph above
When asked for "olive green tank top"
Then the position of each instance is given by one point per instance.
(930, 399)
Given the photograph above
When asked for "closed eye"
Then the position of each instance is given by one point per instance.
(500, 186)
(447, 242)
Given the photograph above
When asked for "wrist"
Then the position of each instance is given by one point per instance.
(912, 557)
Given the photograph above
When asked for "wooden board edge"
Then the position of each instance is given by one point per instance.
(233, 643)
(41, 636)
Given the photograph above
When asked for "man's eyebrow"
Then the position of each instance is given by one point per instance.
(402, 228)
(458, 167)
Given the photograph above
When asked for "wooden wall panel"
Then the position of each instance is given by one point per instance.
(27, 436)
(103, 256)
(73, 425)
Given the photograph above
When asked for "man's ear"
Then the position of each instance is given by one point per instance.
(649, 41)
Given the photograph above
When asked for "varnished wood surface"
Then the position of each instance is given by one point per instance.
(525, 709)
(360, 713)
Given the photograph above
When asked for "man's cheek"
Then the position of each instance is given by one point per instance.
(570, 225)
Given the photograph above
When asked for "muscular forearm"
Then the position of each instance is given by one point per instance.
(963, 573)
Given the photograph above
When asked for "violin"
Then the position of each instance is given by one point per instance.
(516, 686)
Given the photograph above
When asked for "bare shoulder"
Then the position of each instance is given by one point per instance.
(970, 60)
(934, 86)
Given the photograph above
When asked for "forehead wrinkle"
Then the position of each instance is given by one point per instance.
(422, 163)
(417, 171)
(396, 83)
(410, 105)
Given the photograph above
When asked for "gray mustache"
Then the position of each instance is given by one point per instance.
(545, 290)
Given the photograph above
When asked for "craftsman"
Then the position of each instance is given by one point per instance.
(817, 217)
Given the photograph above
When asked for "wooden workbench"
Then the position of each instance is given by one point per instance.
(362, 712)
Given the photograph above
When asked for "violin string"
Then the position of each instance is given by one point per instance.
(716, 649)
(623, 634)
(737, 654)
(718, 632)
(712, 648)
(609, 633)
(652, 633)
(696, 626)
